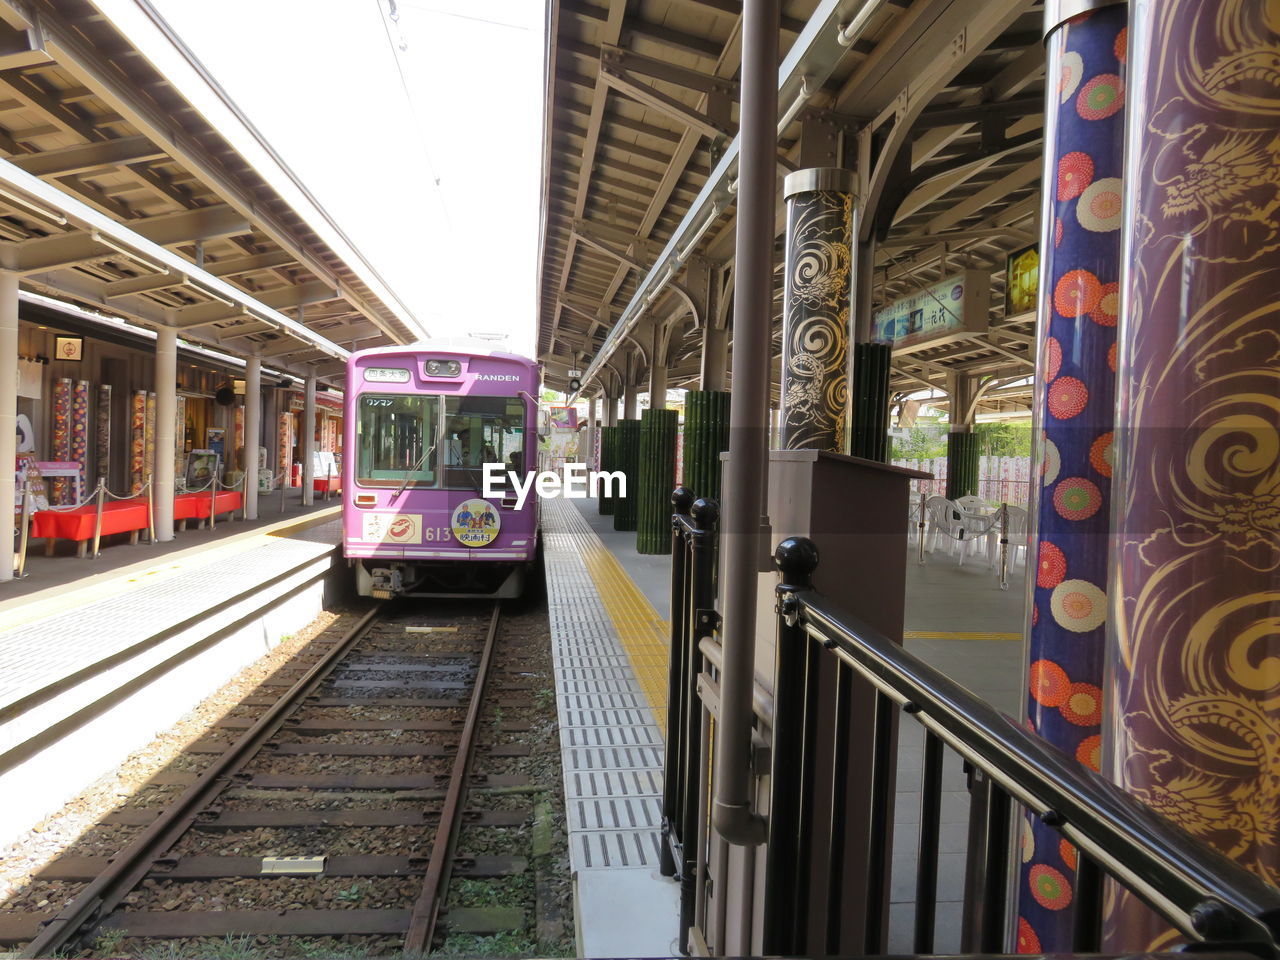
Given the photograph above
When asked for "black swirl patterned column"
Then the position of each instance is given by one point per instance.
(815, 326)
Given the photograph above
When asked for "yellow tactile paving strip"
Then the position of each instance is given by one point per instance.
(644, 635)
(944, 635)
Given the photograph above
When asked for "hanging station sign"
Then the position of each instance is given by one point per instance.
(954, 308)
(1022, 281)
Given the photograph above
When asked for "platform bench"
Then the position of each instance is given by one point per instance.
(195, 506)
(118, 516)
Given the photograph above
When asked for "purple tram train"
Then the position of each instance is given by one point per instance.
(421, 422)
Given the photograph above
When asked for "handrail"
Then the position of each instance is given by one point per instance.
(1201, 892)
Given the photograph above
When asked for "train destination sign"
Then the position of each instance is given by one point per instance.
(386, 375)
(951, 309)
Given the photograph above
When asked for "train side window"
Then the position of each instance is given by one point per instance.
(397, 441)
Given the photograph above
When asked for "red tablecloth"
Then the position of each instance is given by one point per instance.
(334, 484)
(187, 506)
(118, 516)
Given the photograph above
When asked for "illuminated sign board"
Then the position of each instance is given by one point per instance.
(1022, 281)
(951, 309)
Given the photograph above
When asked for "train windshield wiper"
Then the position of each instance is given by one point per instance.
(408, 474)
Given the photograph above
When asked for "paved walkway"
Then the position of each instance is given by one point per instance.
(609, 647)
(45, 574)
(46, 640)
(957, 619)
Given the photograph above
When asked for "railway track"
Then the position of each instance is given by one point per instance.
(378, 733)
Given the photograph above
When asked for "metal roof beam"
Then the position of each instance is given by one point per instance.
(223, 268)
(48, 253)
(93, 156)
(806, 67)
(96, 70)
(207, 314)
(662, 102)
(618, 61)
(668, 37)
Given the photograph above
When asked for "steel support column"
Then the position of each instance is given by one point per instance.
(252, 433)
(715, 356)
(309, 442)
(629, 395)
(166, 387)
(1190, 726)
(658, 369)
(815, 326)
(8, 415)
(744, 475)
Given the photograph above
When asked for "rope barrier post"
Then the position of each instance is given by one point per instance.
(25, 535)
(1004, 546)
(97, 520)
(151, 509)
(924, 498)
(282, 492)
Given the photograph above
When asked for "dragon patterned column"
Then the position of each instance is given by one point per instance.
(815, 326)
(1075, 406)
(1193, 672)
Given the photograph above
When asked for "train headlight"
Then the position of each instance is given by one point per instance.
(443, 368)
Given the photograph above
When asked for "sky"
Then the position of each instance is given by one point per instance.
(436, 179)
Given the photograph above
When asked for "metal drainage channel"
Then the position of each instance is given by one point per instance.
(111, 880)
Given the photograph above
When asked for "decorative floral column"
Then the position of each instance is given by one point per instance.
(80, 428)
(62, 390)
(102, 433)
(1194, 695)
(137, 440)
(815, 328)
(1075, 395)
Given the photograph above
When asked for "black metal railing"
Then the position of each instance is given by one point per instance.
(1215, 903)
(693, 617)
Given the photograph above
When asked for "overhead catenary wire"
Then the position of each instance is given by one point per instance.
(391, 17)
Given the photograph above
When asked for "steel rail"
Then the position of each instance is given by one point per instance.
(129, 867)
(426, 909)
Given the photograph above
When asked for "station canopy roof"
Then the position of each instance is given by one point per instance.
(640, 156)
(131, 185)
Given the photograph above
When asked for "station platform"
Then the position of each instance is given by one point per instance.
(65, 570)
(608, 604)
(91, 666)
(610, 654)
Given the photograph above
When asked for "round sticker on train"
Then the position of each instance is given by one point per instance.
(476, 523)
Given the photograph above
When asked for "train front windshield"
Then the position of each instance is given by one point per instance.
(431, 444)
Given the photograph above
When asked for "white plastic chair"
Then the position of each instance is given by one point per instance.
(944, 520)
(972, 504)
(1019, 528)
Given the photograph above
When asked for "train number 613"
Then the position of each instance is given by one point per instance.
(437, 533)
